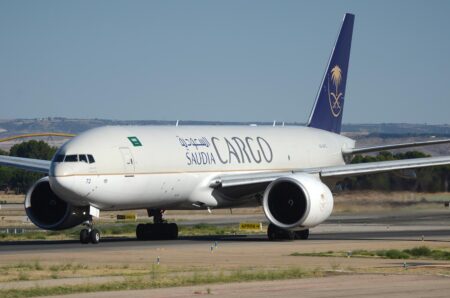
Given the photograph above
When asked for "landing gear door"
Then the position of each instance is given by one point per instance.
(128, 161)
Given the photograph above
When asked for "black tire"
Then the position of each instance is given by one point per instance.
(173, 231)
(275, 233)
(272, 232)
(289, 235)
(84, 236)
(159, 231)
(151, 231)
(95, 236)
(140, 232)
(303, 234)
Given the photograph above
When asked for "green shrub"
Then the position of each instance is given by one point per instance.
(380, 253)
(440, 255)
(396, 254)
(363, 252)
(421, 251)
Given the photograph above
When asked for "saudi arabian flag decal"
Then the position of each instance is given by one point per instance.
(135, 141)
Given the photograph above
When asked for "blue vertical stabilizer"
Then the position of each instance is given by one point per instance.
(329, 105)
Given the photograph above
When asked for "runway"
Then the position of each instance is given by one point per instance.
(391, 226)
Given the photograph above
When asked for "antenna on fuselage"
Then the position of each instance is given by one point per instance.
(274, 123)
(178, 121)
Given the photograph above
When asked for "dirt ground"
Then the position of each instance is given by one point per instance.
(400, 286)
(229, 255)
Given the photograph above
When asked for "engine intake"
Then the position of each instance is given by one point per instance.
(299, 200)
(48, 211)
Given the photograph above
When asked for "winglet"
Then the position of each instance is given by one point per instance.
(329, 104)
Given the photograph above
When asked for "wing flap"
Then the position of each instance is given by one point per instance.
(383, 166)
(29, 164)
(246, 179)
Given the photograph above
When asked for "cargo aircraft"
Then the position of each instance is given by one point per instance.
(289, 170)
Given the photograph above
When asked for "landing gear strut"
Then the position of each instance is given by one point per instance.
(158, 230)
(276, 233)
(90, 234)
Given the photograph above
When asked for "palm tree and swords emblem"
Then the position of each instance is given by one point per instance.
(335, 99)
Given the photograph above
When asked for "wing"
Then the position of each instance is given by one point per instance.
(29, 164)
(349, 151)
(331, 172)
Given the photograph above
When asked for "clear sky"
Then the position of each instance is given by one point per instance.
(221, 60)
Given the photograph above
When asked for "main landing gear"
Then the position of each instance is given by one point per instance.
(89, 234)
(276, 233)
(159, 229)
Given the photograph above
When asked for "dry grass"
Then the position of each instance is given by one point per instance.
(245, 262)
(43, 270)
(374, 201)
(11, 198)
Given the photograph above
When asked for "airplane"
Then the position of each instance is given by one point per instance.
(288, 170)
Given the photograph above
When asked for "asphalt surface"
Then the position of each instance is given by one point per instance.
(401, 226)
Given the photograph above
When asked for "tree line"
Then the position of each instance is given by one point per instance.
(431, 179)
(19, 181)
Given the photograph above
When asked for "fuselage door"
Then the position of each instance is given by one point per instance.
(128, 160)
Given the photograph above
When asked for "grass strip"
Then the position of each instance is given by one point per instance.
(121, 229)
(157, 280)
(422, 252)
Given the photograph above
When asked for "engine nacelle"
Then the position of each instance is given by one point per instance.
(48, 211)
(297, 201)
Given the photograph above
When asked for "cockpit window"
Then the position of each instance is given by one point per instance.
(59, 158)
(91, 158)
(87, 158)
(71, 158)
(83, 158)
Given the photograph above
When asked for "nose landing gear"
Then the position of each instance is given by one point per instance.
(159, 229)
(90, 234)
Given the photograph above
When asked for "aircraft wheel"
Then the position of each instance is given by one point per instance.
(95, 236)
(174, 231)
(140, 232)
(159, 231)
(276, 233)
(289, 235)
(84, 236)
(271, 232)
(303, 234)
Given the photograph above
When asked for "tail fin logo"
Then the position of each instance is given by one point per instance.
(335, 98)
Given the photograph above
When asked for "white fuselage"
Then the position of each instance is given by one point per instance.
(172, 167)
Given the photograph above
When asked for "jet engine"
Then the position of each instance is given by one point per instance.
(297, 201)
(48, 211)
